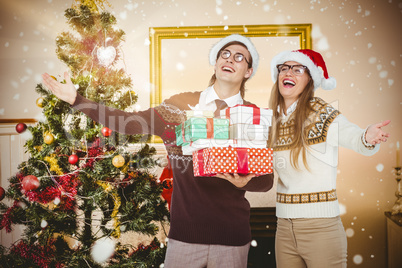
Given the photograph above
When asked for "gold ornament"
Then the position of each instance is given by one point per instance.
(39, 102)
(48, 138)
(118, 161)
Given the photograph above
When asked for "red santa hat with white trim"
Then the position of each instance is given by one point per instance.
(312, 60)
(213, 53)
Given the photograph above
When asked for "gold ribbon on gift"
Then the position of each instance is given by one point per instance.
(117, 203)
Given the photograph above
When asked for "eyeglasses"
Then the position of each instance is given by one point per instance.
(238, 57)
(296, 69)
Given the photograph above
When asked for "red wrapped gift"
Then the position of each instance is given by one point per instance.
(210, 161)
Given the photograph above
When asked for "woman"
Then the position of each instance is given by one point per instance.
(305, 136)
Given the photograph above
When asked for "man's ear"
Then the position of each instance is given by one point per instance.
(248, 73)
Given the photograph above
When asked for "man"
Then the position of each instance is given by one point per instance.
(209, 215)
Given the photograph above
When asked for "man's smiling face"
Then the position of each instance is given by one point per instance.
(231, 70)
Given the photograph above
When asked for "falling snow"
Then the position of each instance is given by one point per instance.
(383, 74)
(14, 84)
(254, 243)
(350, 232)
(342, 209)
(180, 66)
(358, 259)
(380, 167)
(372, 60)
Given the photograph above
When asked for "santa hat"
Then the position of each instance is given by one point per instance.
(312, 60)
(213, 54)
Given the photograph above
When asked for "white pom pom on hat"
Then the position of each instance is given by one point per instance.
(312, 60)
(213, 53)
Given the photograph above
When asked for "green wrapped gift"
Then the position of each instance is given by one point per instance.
(196, 128)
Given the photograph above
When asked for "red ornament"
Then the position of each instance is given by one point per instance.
(167, 183)
(73, 159)
(20, 127)
(30, 183)
(2, 193)
(166, 180)
(106, 132)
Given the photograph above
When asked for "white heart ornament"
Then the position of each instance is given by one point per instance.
(106, 55)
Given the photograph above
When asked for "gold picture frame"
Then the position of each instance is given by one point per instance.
(159, 37)
(157, 34)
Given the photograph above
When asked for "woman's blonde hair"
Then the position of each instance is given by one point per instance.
(300, 116)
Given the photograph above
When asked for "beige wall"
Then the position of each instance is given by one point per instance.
(361, 41)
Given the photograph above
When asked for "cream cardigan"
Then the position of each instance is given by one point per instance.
(295, 190)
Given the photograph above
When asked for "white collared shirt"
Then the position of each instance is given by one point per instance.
(208, 97)
(289, 110)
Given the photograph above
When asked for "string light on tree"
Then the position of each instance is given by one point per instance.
(43, 224)
(56, 201)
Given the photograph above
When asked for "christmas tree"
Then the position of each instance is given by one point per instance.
(82, 187)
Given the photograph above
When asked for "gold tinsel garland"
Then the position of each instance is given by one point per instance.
(117, 202)
(54, 166)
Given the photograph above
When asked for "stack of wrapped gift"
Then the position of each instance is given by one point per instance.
(234, 143)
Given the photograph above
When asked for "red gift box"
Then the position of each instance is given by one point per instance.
(210, 161)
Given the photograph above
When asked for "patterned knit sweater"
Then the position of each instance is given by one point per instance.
(311, 193)
(204, 210)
